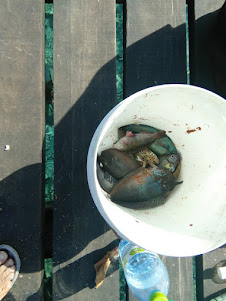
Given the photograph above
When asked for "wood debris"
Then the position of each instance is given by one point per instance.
(102, 266)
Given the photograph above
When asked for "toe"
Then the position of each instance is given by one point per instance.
(2, 269)
(9, 270)
(10, 276)
(3, 257)
(9, 262)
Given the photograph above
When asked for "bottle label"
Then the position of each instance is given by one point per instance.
(136, 251)
(133, 250)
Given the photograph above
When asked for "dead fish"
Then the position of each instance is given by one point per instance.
(138, 128)
(152, 203)
(160, 147)
(135, 142)
(146, 157)
(176, 173)
(144, 188)
(169, 162)
(106, 181)
(117, 163)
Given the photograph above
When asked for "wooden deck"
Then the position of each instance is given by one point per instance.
(155, 39)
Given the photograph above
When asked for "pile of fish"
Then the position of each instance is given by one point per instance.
(141, 168)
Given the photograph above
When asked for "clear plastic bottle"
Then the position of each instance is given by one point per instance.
(145, 273)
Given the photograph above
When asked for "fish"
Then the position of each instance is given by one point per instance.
(161, 146)
(118, 164)
(144, 188)
(138, 128)
(135, 142)
(106, 181)
(146, 157)
(169, 162)
(158, 149)
(147, 204)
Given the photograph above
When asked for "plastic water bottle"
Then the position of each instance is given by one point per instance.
(145, 273)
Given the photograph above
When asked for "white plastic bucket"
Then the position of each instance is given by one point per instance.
(193, 219)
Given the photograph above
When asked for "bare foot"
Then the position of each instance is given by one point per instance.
(7, 272)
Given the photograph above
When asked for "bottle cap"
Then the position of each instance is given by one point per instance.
(158, 296)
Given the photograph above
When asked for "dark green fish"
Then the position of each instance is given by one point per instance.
(138, 128)
(152, 203)
(160, 146)
(158, 149)
(144, 188)
(118, 164)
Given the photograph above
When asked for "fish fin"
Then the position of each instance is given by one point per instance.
(173, 167)
(167, 166)
(129, 134)
(144, 164)
(177, 183)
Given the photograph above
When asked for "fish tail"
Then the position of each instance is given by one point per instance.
(178, 183)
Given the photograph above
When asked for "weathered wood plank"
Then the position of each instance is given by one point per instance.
(156, 44)
(205, 21)
(211, 284)
(156, 54)
(22, 128)
(84, 91)
(209, 70)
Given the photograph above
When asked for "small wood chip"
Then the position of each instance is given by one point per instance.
(102, 266)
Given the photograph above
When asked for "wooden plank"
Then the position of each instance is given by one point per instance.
(207, 64)
(205, 20)
(211, 284)
(156, 42)
(22, 128)
(84, 91)
(156, 54)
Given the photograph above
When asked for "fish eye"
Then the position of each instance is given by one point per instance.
(172, 156)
